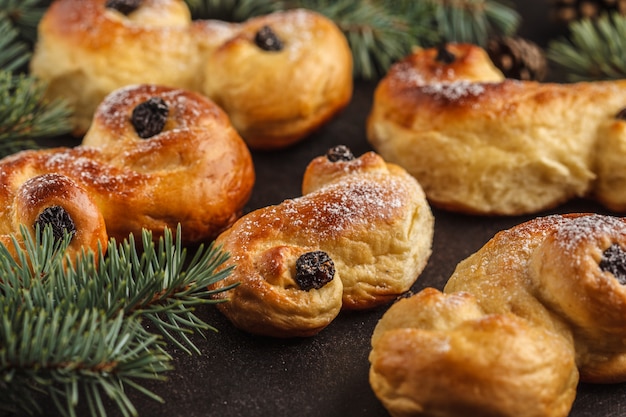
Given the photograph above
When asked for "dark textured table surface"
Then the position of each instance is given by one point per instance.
(327, 375)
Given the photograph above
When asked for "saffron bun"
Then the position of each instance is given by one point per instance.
(482, 144)
(53, 200)
(154, 157)
(279, 76)
(520, 322)
(358, 237)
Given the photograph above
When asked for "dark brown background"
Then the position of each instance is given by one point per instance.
(327, 375)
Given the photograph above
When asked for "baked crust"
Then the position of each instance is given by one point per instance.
(196, 171)
(519, 323)
(275, 98)
(370, 217)
(482, 144)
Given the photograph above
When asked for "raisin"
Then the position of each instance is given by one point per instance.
(149, 117)
(444, 56)
(314, 270)
(59, 219)
(339, 153)
(614, 261)
(621, 115)
(267, 40)
(125, 7)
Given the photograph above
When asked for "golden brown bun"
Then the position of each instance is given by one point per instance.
(50, 199)
(275, 98)
(481, 144)
(371, 218)
(520, 321)
(195, 171)
(467, 362)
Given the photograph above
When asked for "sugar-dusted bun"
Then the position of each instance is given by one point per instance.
(155, 157)
(536, 309)
(485, 145)
(365, 231)
(54, 200)
(314, 61)
(279, 76)
(439, 354)
(86, 50)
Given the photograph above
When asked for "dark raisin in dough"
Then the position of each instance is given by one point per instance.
(314, 270)
(267, 40)
(444, 56)
(149, 117)
(58, 219)
(621, 115)
(614, 261)
(124, 6)
(339, 153)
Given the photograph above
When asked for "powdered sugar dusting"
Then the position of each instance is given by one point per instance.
(455, 90)
(339, 210)
(569, 235)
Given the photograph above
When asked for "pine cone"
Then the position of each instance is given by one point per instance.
(566, 11)
(518, 58)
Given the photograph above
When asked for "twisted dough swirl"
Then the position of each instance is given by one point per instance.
(538, 308)
(279, 76)
(481, 144)
(189, 168)
(358, 237)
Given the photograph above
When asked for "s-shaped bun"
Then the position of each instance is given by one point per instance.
(538, 308)
(358, 237)
(482, 144)
(279, 76)
(154, 157)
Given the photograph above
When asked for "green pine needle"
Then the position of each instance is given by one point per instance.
(24, 114)
(14, 53)
(595, 49)
(475, 21)
(75, 333)
(24, 15)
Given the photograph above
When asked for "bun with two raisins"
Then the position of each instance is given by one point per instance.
(539, 308)
(357, 238)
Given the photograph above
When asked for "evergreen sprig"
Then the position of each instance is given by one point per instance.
(25, 115)
(594, 50)
(73, 329)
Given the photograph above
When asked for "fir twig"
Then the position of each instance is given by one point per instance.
(475, 21)
(24, 16)
(595, 49)
(24, 114)
(14, 53)
(75, 333)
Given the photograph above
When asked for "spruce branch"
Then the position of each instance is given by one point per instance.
(72, 329)
(25, 115)
(475, 21)
(594, 50)
(14, 53)
(23, 15)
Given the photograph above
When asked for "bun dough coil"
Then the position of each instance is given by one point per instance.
(278, 76)
(154, 157)
(482, 144)
(358, 237)
(519, 323)
(49, 200)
